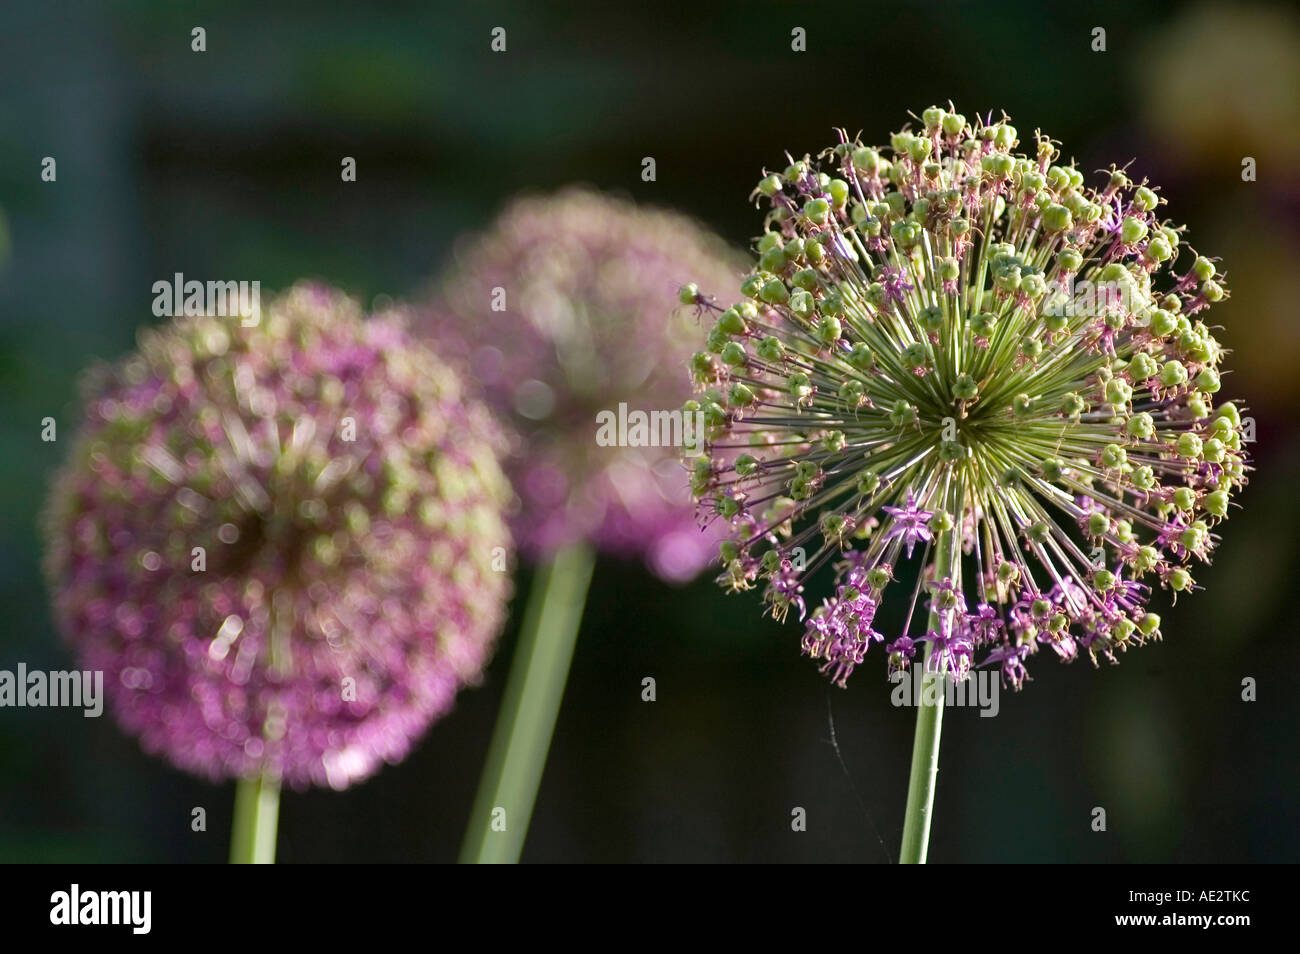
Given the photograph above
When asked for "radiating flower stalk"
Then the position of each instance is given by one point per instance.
(280, 542)
(563, 310)
(957, 353)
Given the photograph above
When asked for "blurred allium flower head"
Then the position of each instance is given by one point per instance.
(956, 353)
(568, 307)
(348, 502)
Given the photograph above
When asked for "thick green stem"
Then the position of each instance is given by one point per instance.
(929, 726)
(508, 789)
(925, 769)
(257, 810)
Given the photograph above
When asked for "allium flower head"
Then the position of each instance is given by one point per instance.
(558, 312)
(952, 349)
(277, 541)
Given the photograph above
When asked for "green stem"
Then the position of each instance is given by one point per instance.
(929, 726)
(257, 810)
(508, 789)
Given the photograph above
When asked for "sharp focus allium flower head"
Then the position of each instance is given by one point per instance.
(565, 309)
(277, 541)
(955, 352)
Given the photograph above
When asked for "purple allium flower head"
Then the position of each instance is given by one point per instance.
(278, 541)
(568, 308)
(952, 347)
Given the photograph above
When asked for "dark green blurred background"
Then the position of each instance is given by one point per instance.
(226, 164)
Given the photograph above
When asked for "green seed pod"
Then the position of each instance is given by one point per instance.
(731, 323)
(902, 414)
(907, 234)
(964, 388)
(915, 356)
(1159, 250)
(1072, 405)
(807, 279)
(817, 210)
(802, 303)
(774, 292)
(773, 260)
(702, 366)
(984, 324)
(1216, 503)
(1057, 218)
(799, 385)
(1142, 367)
(771, 350)
(853, 393)
(1173, 374)
(1189, 445)
(829, 330)
(1140, 426)
(860, 357)
(866, 160)
(1162, 323)
(1132, 231)
(716, 339)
